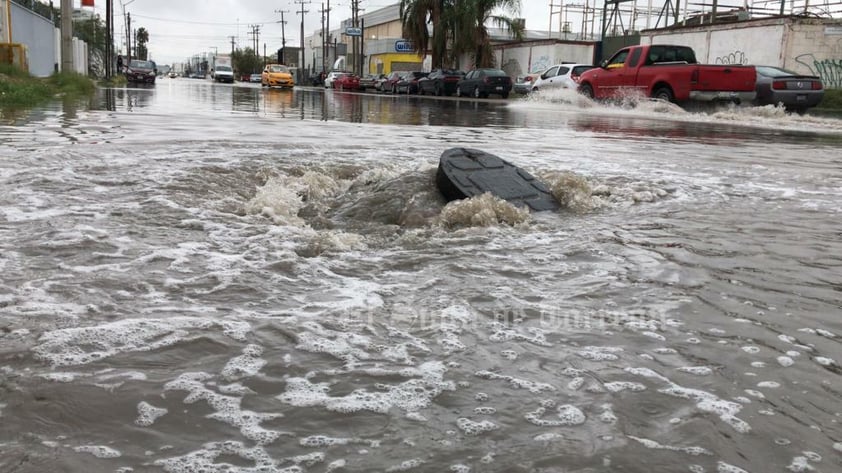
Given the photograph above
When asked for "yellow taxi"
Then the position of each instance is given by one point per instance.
(276, 75)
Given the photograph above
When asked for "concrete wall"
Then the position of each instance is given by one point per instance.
(36, 32)
(804, 45)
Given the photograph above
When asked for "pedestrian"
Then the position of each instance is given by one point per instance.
(119, 64)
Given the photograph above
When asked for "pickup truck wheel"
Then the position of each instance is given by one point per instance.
(458, 91)
(477, 93)
(586, 90)
(663, 93)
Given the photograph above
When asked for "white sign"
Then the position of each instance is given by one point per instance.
(832, 30)
(404, 46)
(351, 31)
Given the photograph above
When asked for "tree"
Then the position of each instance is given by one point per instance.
(415, 16)
(141, 37)
(245, 60)
(93, 33)
(460, 25)
(471, 31)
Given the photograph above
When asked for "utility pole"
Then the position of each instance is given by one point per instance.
(128, 38)
(302, 12)
(324, 39)
(282, 59)
(108, 38)
(66, 35)
(232, 46)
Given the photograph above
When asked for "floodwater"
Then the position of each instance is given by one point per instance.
(216, 278)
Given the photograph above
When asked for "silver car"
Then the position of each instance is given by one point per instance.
(794, 91)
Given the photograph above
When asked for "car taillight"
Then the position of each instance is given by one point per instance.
(779, 84)
(817, 85)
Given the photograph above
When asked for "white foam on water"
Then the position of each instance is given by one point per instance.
(548, 437)
(411, 396)
(481, 211)
(769, 384)
(696, 469)
(405, 465)
(696, 370)
(722, 467)
(460, 468)
(336, 465)
(99, 451)
(532, 386)
(282, 197)
(705, 401)
(594, 353)
(147, 414)
(751, 349)
(648, 443)
(576, 383)
(758, 364)
(509, 355)
(226, 408)
(246, 365)
(203, 460)
(322, 441)
(82, 345)
(568, 415)
(485, 410)
(800, 465)
(785, 361)
(473, 428)
(837, 446)
(62, 377)
(607, 415)
(825, 361)
(619, 386)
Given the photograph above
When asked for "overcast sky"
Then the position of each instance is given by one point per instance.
(179, 29)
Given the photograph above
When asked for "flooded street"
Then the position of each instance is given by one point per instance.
(215, 278)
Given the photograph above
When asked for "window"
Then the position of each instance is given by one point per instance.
(618, 60)
(635, 57)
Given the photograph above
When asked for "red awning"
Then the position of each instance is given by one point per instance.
(87, 3)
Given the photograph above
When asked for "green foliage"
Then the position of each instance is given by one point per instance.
(458, 27)
(141, 38)
(246, 61)
(19, 89)
(832, 100)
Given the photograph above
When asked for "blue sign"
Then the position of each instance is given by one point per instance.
(402, 46)
(351, 31)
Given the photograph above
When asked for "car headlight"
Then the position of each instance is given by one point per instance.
(151, 73)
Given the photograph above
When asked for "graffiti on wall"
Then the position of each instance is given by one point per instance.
(736, 57)
(829, 70)
(541, 63)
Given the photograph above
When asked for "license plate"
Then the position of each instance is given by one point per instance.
(499, 87)
(800, 98)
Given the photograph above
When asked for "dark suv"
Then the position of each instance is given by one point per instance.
(141, 71)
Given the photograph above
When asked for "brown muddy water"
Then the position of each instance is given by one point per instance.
(214, 278)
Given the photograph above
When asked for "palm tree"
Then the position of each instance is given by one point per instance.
(141, 38)
(415, 16)
(471, 33)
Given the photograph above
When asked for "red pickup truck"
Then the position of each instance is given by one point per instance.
(669, 73)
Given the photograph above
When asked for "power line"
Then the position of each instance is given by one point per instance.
(169, 20)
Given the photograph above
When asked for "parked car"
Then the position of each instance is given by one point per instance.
(409, 82)
(440, 82)
(276, 75)
(141, 71)
(331, 76)
(523, 84)
(794, 91)
(391, 82)
(669, 73)
(346, 81)
(379, 84)
(254, 78)
(368, 81)
(484, 82)
(564, 76)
